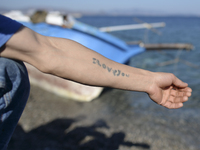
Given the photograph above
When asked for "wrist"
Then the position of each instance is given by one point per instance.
(148, 81)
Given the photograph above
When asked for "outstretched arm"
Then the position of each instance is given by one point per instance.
(73, 61)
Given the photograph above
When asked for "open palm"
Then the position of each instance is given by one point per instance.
(168, 91)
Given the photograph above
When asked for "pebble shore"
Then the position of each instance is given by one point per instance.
(117, 120)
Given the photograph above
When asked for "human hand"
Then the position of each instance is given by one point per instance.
(167, 90)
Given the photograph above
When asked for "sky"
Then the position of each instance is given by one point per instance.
(185, 7)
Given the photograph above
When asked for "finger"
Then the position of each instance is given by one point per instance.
(186, 89)
(177, 93)
(172, 105)
(178, 99)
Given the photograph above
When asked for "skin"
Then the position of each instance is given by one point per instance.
(71, 60)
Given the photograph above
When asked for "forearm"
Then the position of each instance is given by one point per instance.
(70, 60)
(78, 63)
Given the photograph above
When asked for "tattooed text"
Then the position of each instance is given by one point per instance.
(110, 69)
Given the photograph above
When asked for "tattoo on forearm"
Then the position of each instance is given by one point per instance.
(110, 69)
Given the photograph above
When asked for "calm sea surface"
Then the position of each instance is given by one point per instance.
(177, 30)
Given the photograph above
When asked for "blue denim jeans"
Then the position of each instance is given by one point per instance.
(14, 92)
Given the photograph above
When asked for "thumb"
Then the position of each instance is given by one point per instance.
(178, 83)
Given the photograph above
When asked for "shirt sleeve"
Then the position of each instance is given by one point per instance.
(8, 27)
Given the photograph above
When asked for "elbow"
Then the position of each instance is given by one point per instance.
(46, 63)
(44, 56)
(50, 58)
(42, 61)
(44, 68)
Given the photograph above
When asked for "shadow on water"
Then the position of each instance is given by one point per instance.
(58, 135)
